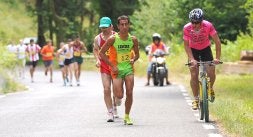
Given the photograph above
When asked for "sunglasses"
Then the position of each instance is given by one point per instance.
(195, 22)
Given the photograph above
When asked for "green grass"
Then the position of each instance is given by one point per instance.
(234, 106)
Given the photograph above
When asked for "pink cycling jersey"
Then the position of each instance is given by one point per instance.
(199, 39)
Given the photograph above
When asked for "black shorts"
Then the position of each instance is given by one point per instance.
(33, 63)
(203, 55)
(68, 61)
(48, 63)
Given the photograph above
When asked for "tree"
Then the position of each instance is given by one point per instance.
(249, 8)
(40, 32)
(228, 16)
(115, 8)
(159, 17)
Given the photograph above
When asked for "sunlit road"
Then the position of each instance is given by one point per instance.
(52, 110)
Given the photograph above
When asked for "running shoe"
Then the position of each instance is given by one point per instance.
(118, 101)
(147, 84)
(212, 95)
(70, 83)
(128, 121)
(195, 104)
(110, 117)
(115, 113)
(78, 83)
(168, 83)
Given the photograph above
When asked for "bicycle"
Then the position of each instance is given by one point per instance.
(204, 89)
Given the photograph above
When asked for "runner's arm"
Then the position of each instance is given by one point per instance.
(96, 48)
(96, 51)
(104, 48)
(84, 49)
(136, 50)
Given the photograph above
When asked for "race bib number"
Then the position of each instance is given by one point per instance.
(32, 53)
(107, 53)
(49, 54)
(123, 57)
(77, 53)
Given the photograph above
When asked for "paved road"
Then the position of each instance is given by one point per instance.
(51, 110)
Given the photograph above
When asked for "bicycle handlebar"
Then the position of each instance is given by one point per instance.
(204, 62)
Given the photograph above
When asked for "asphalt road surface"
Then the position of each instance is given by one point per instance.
(52, 110)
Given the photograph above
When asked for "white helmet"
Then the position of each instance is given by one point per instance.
(156, 36)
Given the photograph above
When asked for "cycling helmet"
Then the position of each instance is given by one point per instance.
(196, 15)
(156, 36)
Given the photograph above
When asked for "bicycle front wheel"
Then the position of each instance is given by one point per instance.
(205, 99)
(201, 110)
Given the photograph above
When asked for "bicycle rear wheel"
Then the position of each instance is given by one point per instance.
(205, 99)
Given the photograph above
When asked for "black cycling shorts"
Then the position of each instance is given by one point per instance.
(203, 55)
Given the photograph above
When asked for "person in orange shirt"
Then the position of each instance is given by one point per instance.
(47, 53)
(156, 44)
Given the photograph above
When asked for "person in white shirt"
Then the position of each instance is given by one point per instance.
(21, 49)
(67, 49)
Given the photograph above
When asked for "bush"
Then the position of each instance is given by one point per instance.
(231, 51)
(8, 63)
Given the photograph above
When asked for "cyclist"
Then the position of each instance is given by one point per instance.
(121, 63)
(156, 44)
(197, 45)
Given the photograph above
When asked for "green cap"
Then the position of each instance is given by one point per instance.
(105, 22)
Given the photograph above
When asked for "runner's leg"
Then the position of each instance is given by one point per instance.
(129, 82)
(118, 88)
(106, 81)
(50, 67)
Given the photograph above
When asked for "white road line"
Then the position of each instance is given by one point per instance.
(183, 90)
(2, 96)
(196, 114)
(188, 101)
(208, 126)
(185, 94)
(214, 135)
(187, 98)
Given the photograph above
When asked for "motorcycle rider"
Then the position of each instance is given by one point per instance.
(156, 44)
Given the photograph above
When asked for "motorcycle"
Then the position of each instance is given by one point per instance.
(158, 68)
